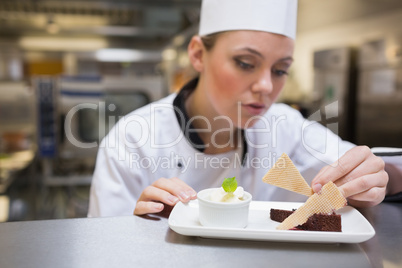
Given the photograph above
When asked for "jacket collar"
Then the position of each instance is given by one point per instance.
(187, 128)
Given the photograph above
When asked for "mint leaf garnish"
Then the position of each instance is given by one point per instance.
(229, 185)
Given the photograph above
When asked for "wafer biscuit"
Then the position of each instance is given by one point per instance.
(284, 174)
(326, 201)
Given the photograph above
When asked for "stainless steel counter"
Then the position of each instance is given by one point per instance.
(148, 242)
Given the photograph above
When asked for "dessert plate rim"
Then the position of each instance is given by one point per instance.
(355, 227)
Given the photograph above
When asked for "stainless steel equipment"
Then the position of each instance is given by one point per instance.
(334, 87)
(379, 101)
(17, 130)
(76, 112)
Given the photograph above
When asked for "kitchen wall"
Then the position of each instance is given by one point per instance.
(354, 30)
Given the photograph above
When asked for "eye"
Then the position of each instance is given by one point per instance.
(243, 65)
(278, 72)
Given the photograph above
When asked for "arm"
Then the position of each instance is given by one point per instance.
(393, 166)
(118, 190)
(395, 179)
(122, 186)
(360, 174)
(115, 187)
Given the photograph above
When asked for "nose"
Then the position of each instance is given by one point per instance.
(263, 84)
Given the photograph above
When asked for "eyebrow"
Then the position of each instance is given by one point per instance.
(253, 51)
(287, 58)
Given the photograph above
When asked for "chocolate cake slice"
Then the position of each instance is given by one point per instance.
(317, 222)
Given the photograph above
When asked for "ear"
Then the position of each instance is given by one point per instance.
(196, 51)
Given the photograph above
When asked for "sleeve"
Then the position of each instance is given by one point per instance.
(115, 186)
(317, 146)
(393, 166)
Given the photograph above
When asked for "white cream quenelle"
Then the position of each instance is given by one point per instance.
(219, 195)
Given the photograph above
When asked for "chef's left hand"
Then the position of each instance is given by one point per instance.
(360, 176)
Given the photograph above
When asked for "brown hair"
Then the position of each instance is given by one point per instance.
(210, 40)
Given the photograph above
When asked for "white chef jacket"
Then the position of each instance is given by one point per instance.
(149, 144)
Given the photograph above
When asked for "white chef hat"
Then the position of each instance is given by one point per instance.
(274, 16)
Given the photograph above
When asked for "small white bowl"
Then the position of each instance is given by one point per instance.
(221, 214)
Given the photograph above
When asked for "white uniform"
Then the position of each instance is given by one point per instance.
(149, 144)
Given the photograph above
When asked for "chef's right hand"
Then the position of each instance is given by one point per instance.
(163, 192)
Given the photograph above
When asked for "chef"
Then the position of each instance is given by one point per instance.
(225, 123)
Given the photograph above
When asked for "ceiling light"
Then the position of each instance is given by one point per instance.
(61, 43)
(169, 54)
(126, 55)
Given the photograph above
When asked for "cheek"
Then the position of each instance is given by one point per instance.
(223, 88)
(278, 89)
(275, 94)
(225, 83)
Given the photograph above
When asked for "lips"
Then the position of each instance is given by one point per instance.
(255, 108)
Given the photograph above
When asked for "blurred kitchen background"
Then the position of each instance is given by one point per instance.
(71, 68)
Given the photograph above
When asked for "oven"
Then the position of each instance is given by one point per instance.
(76, 112)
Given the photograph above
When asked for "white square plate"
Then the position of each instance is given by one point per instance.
(355, 228)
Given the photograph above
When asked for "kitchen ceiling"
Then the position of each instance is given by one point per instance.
(148, 24)
(137, 23)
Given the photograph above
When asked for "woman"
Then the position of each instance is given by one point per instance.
(225, 123)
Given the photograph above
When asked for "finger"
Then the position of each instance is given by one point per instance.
(343, 166)
(373, 165)
(364, 183)
(191, 192)
(177, 188)
(145, 207)
(152, 193)
(321, 179)
(374, 194)
(165, 213)
(369, 198)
